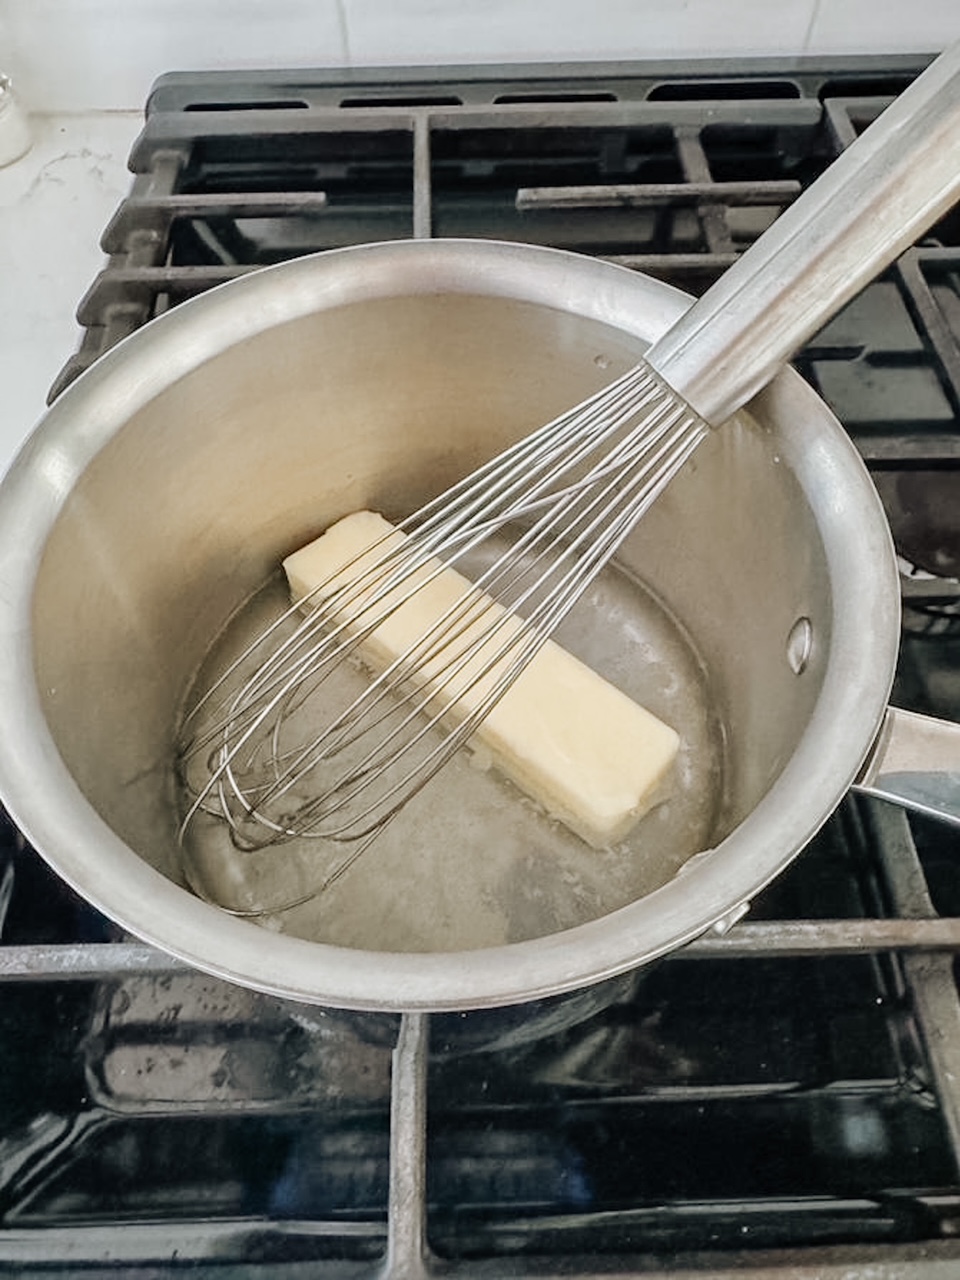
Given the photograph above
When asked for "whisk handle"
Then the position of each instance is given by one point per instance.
(891, 184)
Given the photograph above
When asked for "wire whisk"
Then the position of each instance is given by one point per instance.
(568, 494)
(254, 754)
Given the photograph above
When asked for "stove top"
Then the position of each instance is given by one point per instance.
(779, 1100)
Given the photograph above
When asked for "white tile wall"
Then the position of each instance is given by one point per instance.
(75, 55)
(907, 25)
(424, 31)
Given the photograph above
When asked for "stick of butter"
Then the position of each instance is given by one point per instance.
(573, 742)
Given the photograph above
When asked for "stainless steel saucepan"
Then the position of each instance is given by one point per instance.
(756, 608)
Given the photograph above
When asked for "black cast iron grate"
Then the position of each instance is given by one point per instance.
(662, 171)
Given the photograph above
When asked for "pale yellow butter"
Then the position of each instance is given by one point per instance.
(573, 742)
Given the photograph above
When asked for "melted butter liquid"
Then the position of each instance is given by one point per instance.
(471, 862)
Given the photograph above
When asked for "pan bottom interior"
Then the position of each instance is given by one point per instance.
(471, 862)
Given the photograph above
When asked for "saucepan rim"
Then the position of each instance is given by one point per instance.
(712, 889)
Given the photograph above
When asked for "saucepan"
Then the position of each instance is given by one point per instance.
(756, 608)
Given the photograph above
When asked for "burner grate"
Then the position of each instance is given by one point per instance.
(671, 176)
(778, 1100)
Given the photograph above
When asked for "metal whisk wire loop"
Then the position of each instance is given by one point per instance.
(566, 495)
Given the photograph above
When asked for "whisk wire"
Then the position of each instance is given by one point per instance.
(528, 638)
(570, 492)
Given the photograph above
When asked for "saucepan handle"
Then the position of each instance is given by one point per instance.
(877, 197)
(915, 762)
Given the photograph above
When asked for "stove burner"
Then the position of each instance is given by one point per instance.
(790, 1087)
(924, 512)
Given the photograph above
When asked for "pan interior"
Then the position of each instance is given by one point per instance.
(166, 539)
(471, 862)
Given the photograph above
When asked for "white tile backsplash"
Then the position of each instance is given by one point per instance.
(905, 26)
(437, 31)
(76, 55)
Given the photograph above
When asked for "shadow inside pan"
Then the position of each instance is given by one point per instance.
(471, 861)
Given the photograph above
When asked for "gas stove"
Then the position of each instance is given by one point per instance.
(780, 1100)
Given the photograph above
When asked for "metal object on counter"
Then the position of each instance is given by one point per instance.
(14, 129)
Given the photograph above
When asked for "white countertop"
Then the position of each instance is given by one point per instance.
(54, 203)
